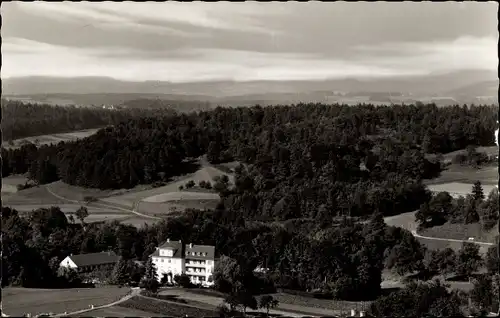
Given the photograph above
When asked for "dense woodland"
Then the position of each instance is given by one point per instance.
(20, 120)
(344, 262)
(306, 170)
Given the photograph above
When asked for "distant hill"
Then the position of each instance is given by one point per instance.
(462, 86)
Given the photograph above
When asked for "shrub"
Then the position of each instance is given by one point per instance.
(190, 184)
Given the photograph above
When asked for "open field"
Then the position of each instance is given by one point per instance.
(462, 232)
(50, 139)
(164, 193)
(456, 189)
(490, 151)
(115, 311)
(170, 208)
(9, 184)
(288, 303)
(79, 193)
(166, 308)
(442, 244)
(403, 220)
(488, 175)
(33, 196)
(138, 221)
(180, 196)
(17, 301)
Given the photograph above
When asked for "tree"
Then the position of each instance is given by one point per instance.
(213, 152)
(483, 294)
(268, 302)
(419, 300)
(81, 214)
(470, 213)
(246, 300)
(121, 273)
(71, 219)
(150, 279)
(477, 191)
(468, 260)
(182, 280)
(491, 262)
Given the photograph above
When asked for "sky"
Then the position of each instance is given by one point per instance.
(198, 41)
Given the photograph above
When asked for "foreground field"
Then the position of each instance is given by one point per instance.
(166, 308)
(50, 139)
(17, 301)
(290, 305)
(116, 311)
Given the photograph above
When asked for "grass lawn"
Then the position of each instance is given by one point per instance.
(52, 138)
(36, 195)
(9, 184)
(138, 221)
(79, 193)
(403, 220)
(17, 301)
(298, 304)
(116, 311)
(462, 232)
(488, 175)
(166, 308)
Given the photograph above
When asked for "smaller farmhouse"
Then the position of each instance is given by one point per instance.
(90, 262)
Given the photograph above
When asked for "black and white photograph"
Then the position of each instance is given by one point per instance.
(249, 159)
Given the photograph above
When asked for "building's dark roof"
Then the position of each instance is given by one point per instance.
(180, 250)
(200, 252)
(94, 258)
(175, 246)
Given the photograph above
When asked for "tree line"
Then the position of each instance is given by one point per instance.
(21, 119)
(473, 208)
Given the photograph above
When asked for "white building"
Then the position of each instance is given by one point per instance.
(175, 258)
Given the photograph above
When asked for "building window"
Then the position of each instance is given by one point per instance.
(169, 261)
(162, 260)
(187, 253)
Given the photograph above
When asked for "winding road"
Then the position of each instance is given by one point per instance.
(414, 233)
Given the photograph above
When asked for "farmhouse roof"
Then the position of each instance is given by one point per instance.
(94, 259)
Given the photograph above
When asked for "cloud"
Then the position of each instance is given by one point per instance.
(435, 56)
(27, 58)
(171, 16)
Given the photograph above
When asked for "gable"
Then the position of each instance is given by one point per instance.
(68, 262)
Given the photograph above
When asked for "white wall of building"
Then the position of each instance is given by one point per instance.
(166, 264)
(68, 263)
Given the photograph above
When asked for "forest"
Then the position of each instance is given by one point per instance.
(21, 120)
(305, 171)
(304, 161)
(343, 262)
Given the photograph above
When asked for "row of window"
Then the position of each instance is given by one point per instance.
(160, 259)
(196, 253)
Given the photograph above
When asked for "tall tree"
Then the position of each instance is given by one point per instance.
(477, 191)
(81, 214)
